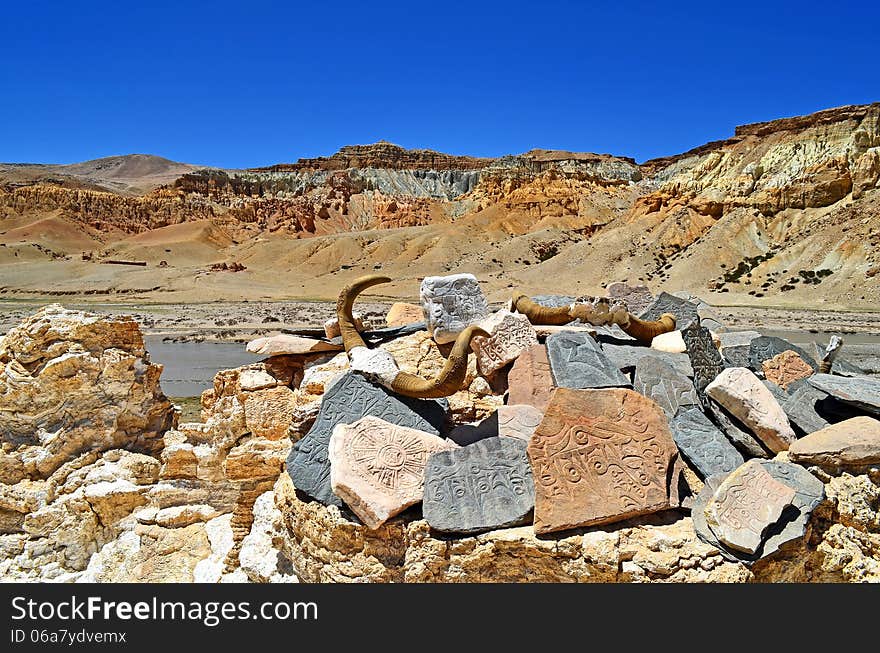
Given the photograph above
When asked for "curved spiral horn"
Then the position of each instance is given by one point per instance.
(450, 378)
(350, 336)
(538, 314)
(646, 330)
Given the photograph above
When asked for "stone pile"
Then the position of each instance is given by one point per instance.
(595, 429)
(566, 454)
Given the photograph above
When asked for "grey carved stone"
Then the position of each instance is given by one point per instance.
(685, 312)
(800, 406)
(577, 361)
(700, 441)
(704, 356)
(480, 487)
(349, 399)
(667, 387)
(809, 492)
(741, 438)
(637, 298)
(766, 347)
(863, 392)
(736, 346)
(553, 301)
(625, 357)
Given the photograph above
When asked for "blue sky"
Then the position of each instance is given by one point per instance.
(240, 84)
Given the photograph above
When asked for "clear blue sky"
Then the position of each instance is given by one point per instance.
(240, 84)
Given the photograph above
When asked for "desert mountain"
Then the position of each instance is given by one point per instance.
(783, 213)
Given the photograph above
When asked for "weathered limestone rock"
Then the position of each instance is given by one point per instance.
(285, 343)
(518, 421)
(685, 312)
(510, 335)
(483, 486)
(260, 557)
(401, 314)
(71, 382)
(530, 380)
(863, 392)
(331, 326)
(378, 468)
(349, 399)
(700, 441)
(662, 384)
(853, 442)
(577, 361)
(671, 342)
(451, 304)
(786, 367)
(599, 456)
(705, 358)
(738, 390)
(766, 347)
(746, 503)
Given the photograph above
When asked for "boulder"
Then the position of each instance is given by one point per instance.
(853, 442)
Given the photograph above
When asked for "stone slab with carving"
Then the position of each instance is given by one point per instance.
(799, 405)
(509, 335)
(346, 401)
(702, 443)
(735, 431)
(685, 312)
(481, 487)
(518, 421)
(745, 505)
(378, 468)
(451, 304)
(529, 379)
(766, 347)
(577, 361)
(599, 456)
(704, 355)
(785, 368)
(863, 392)
(625, 357)
(739, 391)
(735, 347)
(663, 384)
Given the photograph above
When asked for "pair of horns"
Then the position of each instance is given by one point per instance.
(448, 381)
(642, 330)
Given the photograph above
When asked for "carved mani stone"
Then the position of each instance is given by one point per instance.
(860, 391)
(518, 421)
(599, 456)
(670, 389)
(800, 405)
(809, 492)
(529, 380)
(705, 358)
(577, 361)
(625, 357)
(700, 441)
(451, 304)
(349, 399)
(735, 431)
(509, 335)
(685, 312)
(738, 390)
(785, 368)
(745, 504)
(766, 347)
(735, 347)
(480, 487)
(378, 468)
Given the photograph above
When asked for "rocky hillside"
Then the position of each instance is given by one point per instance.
(783, 213)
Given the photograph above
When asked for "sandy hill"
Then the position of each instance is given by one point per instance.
(783, 213)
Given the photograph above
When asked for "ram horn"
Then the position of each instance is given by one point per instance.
(830, 353)
(450, 378)
(538, 314)
(350, 336)
(645, 330)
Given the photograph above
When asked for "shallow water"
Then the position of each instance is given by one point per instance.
(190, 366)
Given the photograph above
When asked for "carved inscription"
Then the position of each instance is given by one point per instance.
(529, 379)
(659, 382)
(685, 312)
(785, 368)
(451, 304)
(705, 358)
(480, 487)
(518, 421)
(349, 399)
(599, 456)
(510, 335)
(577, 361)
(700, 441)
(766, 347)
(745, 504)
(378, 468)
